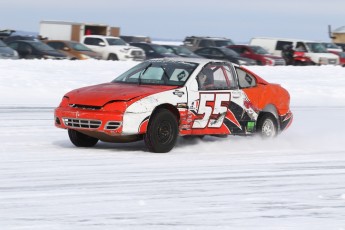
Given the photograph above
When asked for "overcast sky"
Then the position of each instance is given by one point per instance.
(239, 20)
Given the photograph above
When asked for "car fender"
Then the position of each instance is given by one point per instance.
(270, 108)
(137, 115)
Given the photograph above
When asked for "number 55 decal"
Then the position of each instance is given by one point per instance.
(213, 107)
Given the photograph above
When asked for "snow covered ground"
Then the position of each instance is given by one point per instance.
(296, 181)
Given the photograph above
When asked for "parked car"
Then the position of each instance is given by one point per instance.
(130, 39)
(196, 42)
(223, 53)
(259, 54)
(159, 99)
(74, 50)
(7, 52)
(35, 49)
(337, 50)
(113, 48)
(181, 51)
(153, 50)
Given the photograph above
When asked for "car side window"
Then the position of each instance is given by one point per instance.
(245, 79)
(216, 77)
(204, 51)
(237, 49)
(217, 53)
(25, 48)
(56, 45)
(281, 44)
(147, 49)
(93, 41)
(205, 43)
(14, 45)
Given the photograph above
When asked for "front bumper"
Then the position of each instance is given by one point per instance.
(108, 122)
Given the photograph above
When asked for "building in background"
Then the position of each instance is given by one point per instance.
(74, 31)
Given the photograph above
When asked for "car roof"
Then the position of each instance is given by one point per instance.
(26, 41)
(201, 61)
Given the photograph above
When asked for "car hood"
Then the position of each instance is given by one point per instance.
(120, 47)
(99, 95)
(53, 53)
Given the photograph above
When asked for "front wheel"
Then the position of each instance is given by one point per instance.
(162, 131)
(113, 57)
(81, 140)
(267, 126)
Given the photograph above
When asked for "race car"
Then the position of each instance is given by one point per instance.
(160, 99)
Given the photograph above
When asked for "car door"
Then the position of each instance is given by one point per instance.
(27, 51)
(215, 106)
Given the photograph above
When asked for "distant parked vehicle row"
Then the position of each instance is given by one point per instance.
(31, 49)
(316, 51)
(75, 50)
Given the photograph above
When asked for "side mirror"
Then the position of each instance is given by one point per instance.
(101, 44)
(65, 48)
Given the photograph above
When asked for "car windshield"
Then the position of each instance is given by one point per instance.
(315, 47)
(259, 50)
(182, 50)
(331, 46)
(116, 42)
(158, 72)
(220, 43)
(42, 46)
(79, 47)
(160, 49)
(229, 52)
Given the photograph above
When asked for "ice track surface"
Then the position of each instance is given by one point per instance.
(296, 181)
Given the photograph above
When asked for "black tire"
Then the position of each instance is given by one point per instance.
(267, 126)
(162, 131)
(81, 140)
(113, 57)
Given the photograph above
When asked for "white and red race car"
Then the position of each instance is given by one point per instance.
(160, 99)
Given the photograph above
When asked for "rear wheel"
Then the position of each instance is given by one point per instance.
(267, 126)
(162, 131)
(81, 140)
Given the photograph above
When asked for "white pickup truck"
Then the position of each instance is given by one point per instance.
(113, 48)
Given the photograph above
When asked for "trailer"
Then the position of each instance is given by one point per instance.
(73, 31)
